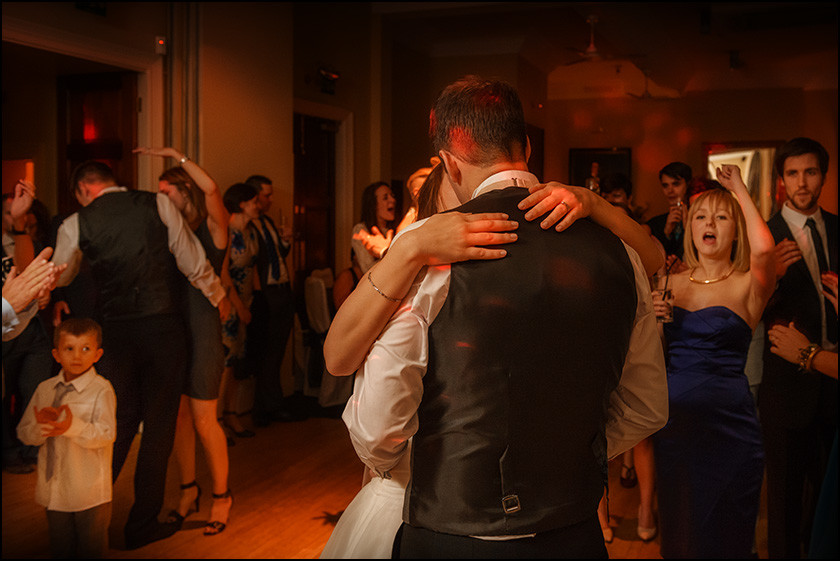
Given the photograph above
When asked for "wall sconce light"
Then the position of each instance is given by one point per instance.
(327, 79)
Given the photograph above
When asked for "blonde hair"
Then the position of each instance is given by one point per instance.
(716, 198)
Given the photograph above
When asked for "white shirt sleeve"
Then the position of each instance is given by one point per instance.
(381, 415)
(14, 324)
(638, 407)
(188, 252)
(67, 249)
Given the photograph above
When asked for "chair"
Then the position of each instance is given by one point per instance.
(333, 390)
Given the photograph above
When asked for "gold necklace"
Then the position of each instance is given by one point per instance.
(709, 281)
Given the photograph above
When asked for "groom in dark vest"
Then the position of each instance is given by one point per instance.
(139, 249)
(516, 377)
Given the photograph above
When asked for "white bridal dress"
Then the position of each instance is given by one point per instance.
(367, 528)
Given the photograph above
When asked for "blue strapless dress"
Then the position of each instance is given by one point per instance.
(709, 456)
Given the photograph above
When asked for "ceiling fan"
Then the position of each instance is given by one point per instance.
(591, 53)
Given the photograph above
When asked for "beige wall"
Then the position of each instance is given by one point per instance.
(245, 95)
(661, 131)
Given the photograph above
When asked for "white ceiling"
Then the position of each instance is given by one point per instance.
(683, 46)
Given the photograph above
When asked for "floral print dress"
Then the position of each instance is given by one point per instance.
(244, 247)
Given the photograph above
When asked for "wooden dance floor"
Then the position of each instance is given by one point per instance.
(290, 484)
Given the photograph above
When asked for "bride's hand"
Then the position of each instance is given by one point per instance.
(454, 236)
(563, 203)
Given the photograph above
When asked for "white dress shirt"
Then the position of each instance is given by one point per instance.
(82, 474)
(189, 254)
(381, 415)
(802, 236)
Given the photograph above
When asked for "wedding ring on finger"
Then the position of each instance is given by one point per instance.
(565, 204)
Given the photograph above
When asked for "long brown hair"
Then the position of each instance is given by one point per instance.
(427, 198)
(184, 183)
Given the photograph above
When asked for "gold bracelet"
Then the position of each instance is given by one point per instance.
(810, 362)
(806, 356)
(376, 288)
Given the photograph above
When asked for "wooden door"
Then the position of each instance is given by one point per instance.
(314, 195)
(97, 120)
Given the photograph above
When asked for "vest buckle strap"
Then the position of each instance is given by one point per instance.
(510, 504)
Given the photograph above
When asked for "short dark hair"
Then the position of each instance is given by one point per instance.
(480, 121)
(369, 206)
(237, 194)
(677, 170)
(616, 181)
(799, 146)
(91, 170)
(77, 327)
(258, 181)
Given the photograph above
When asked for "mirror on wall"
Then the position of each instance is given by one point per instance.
(756, 162)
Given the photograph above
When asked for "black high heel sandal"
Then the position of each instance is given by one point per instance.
(175, 517)
(215, 527)
(244, 433)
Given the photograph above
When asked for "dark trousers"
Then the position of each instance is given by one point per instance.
(80, 535)
(273, 313)
(27, 361)
(796, 461)
(146, 361)
(583, 540)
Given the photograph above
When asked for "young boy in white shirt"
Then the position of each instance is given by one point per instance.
(74, 416)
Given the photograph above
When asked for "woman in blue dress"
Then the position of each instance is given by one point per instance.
(709, 456)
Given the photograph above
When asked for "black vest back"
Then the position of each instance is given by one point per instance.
(522, 358)
(126, 243)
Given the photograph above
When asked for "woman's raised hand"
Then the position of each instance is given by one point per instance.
(563, 203)
(729, 176)
(162, 152)
(455, 236)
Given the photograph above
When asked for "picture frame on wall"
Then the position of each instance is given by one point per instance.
(583, 171)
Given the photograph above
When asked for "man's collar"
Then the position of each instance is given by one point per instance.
(506, 178)
(112, 189)
(793, 216)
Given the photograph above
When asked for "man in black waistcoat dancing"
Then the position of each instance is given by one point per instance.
(139, 249)
(517, 378)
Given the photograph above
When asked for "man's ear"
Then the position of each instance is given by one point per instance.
(450, 163)
(527, 149)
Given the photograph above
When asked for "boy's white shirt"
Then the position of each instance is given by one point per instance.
(83, 454)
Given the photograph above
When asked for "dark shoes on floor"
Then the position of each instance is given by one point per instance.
(628, 477)
(160, 531)
(244, 433)
(175, 517)
(215, 527)
(281, 416)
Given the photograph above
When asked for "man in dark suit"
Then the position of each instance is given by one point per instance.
(668, 227)
(798, 409)
(503, 371)
(139, 248)
(272, 314)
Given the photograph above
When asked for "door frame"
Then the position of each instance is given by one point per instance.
(343, 174)
(150, 79)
